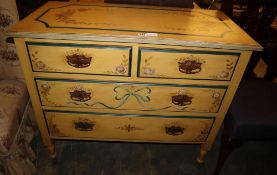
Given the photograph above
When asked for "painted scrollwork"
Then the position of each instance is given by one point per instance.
(129, 128)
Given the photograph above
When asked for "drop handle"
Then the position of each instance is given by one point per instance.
(80, 95)
(190, 66)
(174, 130)
(78, 60)
(83, 125)
(181, 100)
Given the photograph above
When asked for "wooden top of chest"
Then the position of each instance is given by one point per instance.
(139, 24)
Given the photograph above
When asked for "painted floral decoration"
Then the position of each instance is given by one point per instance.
(229, 67)
(216, 96)
(5, 20)
(10, 90)
(67, 16)
(45, 88)
(122, 68)
(147, 69)
(8, 54)
(4, 140)
(224, 74)
(40, 65)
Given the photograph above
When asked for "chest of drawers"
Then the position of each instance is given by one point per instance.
(131, 73)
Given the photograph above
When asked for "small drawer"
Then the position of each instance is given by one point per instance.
(128, 96)
(124, 127)
(80, 58)
(186, 64)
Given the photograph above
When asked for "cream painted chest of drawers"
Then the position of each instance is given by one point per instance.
(131, 73)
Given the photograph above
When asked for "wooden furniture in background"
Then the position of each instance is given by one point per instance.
(131, 73)
(169, 3)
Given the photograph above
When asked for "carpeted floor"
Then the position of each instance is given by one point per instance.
(114, 158)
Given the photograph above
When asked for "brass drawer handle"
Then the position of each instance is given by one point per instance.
(190, 66)
(181, 100)
(78, 60)
(80, 95)
(174, 130)
(83, 125)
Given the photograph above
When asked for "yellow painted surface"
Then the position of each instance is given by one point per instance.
(195, 26)
(169, 64)
(108, 95)
(127, 127)
(106, 60)
(188, 97)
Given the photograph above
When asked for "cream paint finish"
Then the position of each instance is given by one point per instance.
(127, 127)
(103, 59)
(109, 95)
(197, 27)
(64, 97)
(215, 66)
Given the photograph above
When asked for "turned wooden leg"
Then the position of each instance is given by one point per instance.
(51, 150)
(201, 156)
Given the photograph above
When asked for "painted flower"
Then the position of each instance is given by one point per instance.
(45, 87)
(5, 20)
(120, 69)
(40, 65)
(216, 95)
(8, 54)
(149, 71)
(224, 74)
(10, 90)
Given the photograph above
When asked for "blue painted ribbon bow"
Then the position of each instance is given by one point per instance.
(141, 95)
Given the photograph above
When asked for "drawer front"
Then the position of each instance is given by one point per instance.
(138, 96)
(108, 126)
(187, 64)
(80, 58)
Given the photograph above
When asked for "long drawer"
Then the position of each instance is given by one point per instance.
(80, 58)
(127, 127)
(128, 96)
(186, 64)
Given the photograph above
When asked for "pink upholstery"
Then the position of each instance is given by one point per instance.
(13, 100)
(9, 62)
(15, 133)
